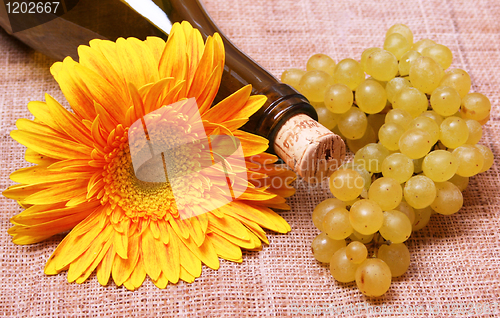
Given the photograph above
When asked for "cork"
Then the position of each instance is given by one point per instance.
(309, 148)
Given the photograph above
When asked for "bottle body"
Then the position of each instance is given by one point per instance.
(111, 19)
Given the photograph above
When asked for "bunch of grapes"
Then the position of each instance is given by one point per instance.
(414, 129)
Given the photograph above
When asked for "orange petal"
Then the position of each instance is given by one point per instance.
(54, 147)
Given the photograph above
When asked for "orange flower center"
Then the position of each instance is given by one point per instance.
(157, 170)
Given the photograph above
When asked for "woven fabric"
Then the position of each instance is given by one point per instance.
(455, 260)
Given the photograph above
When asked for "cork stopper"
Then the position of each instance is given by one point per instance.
(309, 148)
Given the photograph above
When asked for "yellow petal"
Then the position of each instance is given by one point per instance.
(168, 258)
(156, 45)
(93, 59)
(251, 144)
(137, 61)
(161, 282)
(54, 147)
(63, 192)
(238, 105)
(206, 252)
(148, 255)
(37, 174)
(39, 128)
(122, 269)
(225, 249)
(137, 278)
(104, 267)
(173, 62)
(68, 122)
(74, 88)
(84, 261)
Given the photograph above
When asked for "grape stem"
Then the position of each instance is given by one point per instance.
(376, 242)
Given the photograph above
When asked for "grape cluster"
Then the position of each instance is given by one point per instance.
(413, 127)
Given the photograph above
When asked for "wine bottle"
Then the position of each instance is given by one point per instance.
(287, 119)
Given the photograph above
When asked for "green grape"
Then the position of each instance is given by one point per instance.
(348, 72)
(419, 192)
(398, 167)
(373, 277)
(405, 61)
(364, 56)
(352, 124)
(396, 227)
(458, 79)
(356, 144)
(341, 268)
(358, 237)
(336, 224)
(383, 83)
(440, 54)
(402, 29)
(445, 100)
(412, 100)
(487, 156)
(422, 217)
(460, 182)
(394, 86)
(425, 74)
(324, 247)
(428, 125)
(321, 62)
(397, 44)
(337, 131)
(475, 106)
(475, 131)
(346, 184)
(367, 178)
(313, 85)
(326, 117)
(323, 208)
(419, 46)
(351, 202)
(356, 252)
(399, 116)
(386, 192)
(371, 157)
(381, 65)
(448, 200)
(317, 105)
(366, 216)
(292, 77)
(433, 115)
(376, 121)
(417, 165)
(338, 98)
(389, 135)
(407, 210)
(415, 143)
(371, 97)
(440, 165)
(454, 132)
(396, 256)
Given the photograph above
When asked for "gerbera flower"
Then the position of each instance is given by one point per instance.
(133, 210)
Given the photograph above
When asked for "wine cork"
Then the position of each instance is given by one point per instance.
(309, 148)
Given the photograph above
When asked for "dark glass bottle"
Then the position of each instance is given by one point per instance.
(110, 19)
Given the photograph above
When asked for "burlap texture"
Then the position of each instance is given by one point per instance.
(455, 260)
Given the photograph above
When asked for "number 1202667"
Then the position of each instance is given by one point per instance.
(31, 7)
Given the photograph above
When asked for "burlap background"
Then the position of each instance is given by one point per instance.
(455, 260)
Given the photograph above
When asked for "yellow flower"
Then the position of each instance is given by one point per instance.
(85, 178)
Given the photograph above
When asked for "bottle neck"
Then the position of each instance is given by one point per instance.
(283, 101)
